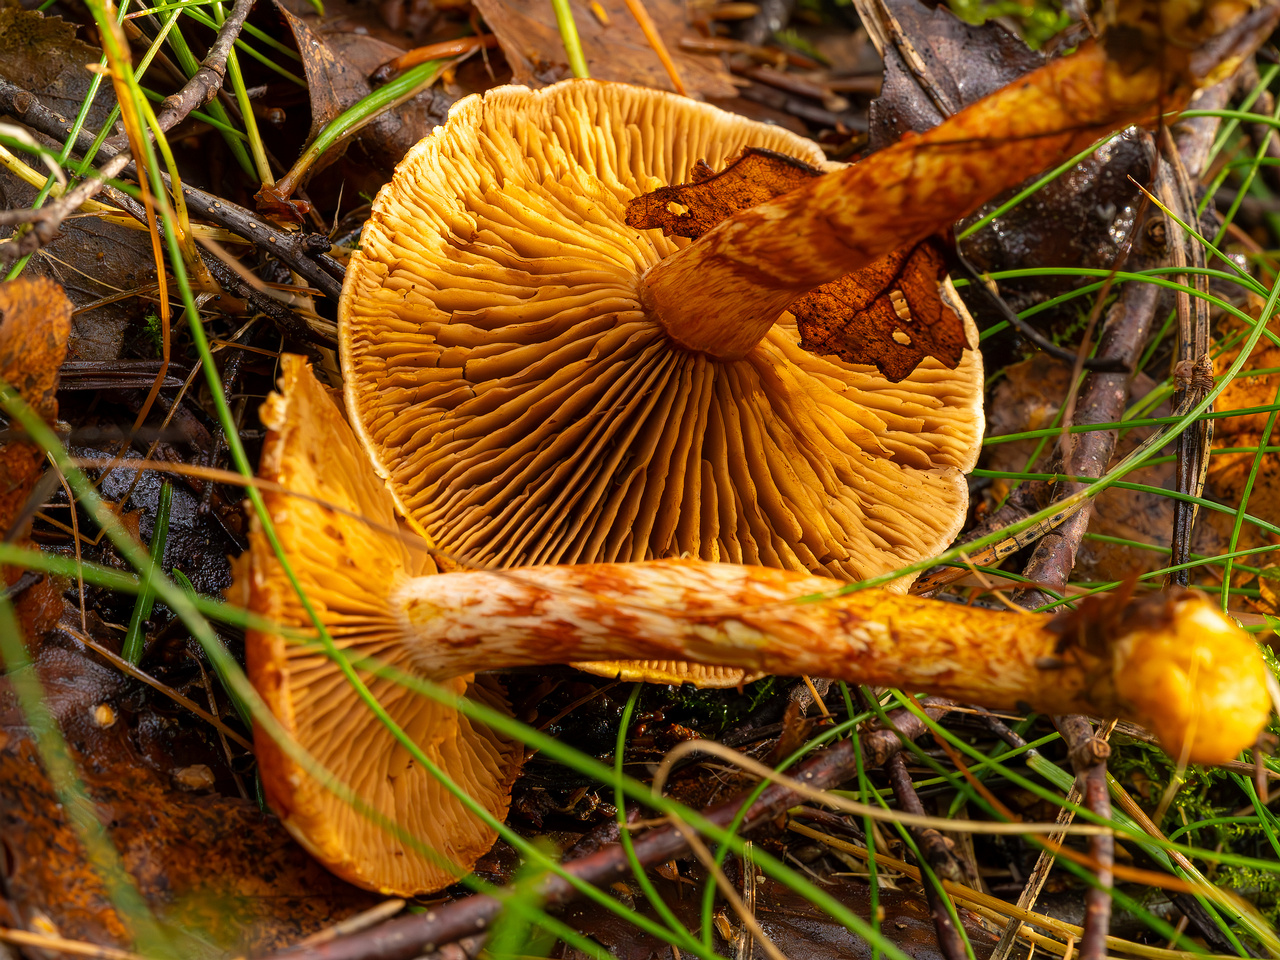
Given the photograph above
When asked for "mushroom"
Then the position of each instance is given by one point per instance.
(539, 383)
(1174, 664)
(526, 404)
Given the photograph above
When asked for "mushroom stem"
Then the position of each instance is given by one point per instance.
(1176, 664)
(722, 293)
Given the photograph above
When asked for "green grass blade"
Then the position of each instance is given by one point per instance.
(133, 641)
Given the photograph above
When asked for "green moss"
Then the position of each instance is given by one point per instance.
(1038, 19)
(152, 328)
(710, 711)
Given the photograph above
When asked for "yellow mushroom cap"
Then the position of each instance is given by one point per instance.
(1195, 679)
(310, 451)
(524, 408)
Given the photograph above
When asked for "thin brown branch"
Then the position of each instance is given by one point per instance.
(1089, 752)
(48, 220)
(232, 283)
(1101, 400)
(1193, 371)
(207, 80)
(1039, 874)
(305, 253)
(937, 851)
(1191, 908)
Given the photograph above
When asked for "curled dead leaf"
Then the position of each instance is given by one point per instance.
(691, 209)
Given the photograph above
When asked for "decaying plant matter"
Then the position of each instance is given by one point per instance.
(1175, 664)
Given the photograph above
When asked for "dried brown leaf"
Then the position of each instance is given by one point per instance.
(615, 50)
(952, 64)
(753, 177)
(889, 314)
(337, 62)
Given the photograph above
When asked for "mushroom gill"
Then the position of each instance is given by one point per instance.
(345, 559)
(524, 406)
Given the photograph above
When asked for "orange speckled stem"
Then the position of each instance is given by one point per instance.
(1167, 669)
(721, 294)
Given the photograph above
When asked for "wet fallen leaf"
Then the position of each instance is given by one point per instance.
(91, 259)
(615, 47)
(222, 876)
(43, 55)
(337, 63)
(889, 314)
(1084, 218)
(934, 65)
(953, 63)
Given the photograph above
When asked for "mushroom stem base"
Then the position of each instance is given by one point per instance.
(713, 311)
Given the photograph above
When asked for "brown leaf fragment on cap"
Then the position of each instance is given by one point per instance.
(889, 314)
(755, 176)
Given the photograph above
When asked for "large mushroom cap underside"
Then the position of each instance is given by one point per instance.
(524, 408)
(406, 834)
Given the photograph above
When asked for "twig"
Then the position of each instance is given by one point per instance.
(49, 219)
(1088, 753)
(937, 851)
(285, 319)
(304, 253)
(1102, 400)
(206, 81)
(53, 944)
(1039, 874)
(407, 937)
(1189, 905)
(1193, 371)
(435, 51)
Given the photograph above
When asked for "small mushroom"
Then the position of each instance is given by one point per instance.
(1174, 664)
(526, 403)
